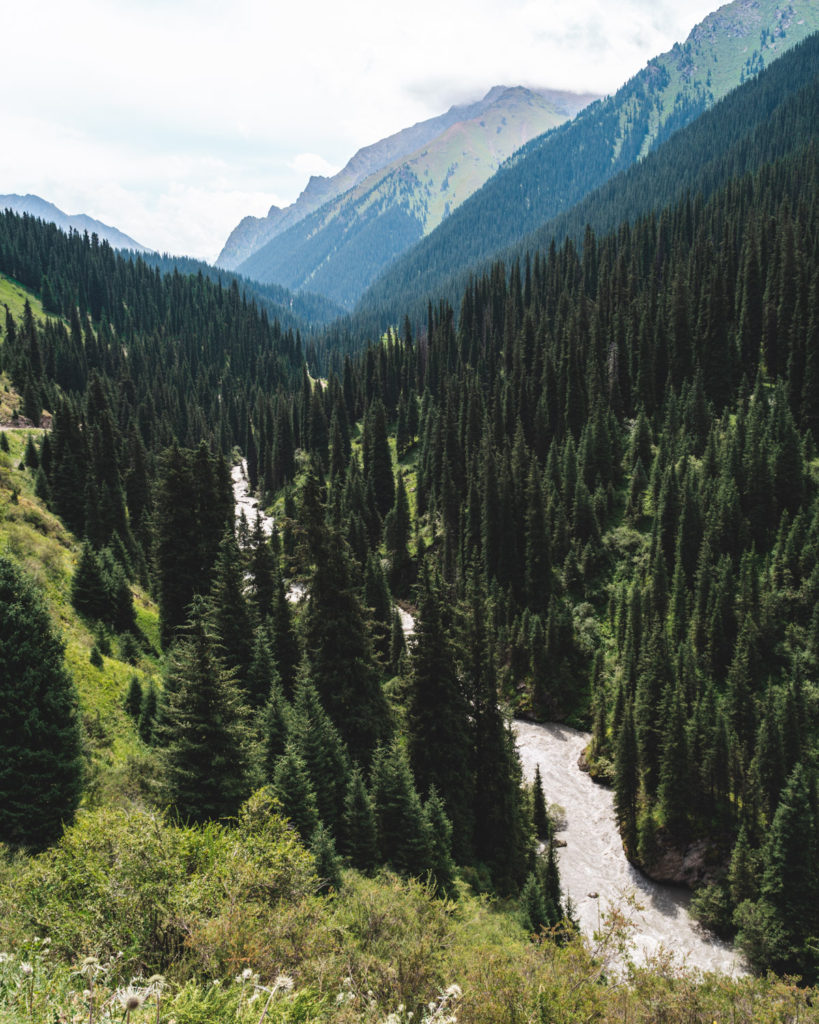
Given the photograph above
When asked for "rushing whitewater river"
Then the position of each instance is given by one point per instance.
(244, 501)
(594, 870)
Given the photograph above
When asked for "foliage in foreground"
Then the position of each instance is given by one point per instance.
(131, 917)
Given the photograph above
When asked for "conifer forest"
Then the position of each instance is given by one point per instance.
(585, 471)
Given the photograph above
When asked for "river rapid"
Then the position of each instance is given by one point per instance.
(594, 870)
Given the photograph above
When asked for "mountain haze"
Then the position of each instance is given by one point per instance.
(81, 222)
(254, 232)
(553, 172)
(340, 247)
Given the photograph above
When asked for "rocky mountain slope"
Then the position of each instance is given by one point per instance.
(343, 231)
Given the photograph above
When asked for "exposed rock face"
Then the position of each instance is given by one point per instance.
(688, 864)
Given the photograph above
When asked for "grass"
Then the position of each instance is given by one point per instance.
(48, 552)
(14, 295)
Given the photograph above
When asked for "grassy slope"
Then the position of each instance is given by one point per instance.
(14, 296)
(42, 545)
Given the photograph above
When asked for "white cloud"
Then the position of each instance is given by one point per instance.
(173, 119)
(312, 163)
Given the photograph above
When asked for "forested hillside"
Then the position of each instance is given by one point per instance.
(557, 170)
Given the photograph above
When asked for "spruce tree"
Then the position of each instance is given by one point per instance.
(40, 756)
(438, 716)
(338, 650)
(204, 729)
(403, 835)
(316, 740)
(358, 838)
(291, 784)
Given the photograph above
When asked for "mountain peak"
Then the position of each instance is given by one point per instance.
(254, 233)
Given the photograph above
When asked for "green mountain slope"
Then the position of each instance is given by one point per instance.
(557, 170)
(340, 248)
(252, 233)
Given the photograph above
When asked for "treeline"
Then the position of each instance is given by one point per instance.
(300, 310)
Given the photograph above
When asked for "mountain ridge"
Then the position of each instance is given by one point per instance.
(51, 214)
(558, 169)
(252, 233)
(339, 248)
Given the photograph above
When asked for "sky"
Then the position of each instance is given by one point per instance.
(173, 119)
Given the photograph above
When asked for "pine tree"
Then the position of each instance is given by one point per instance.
(204, 732)
(403, 836)
(40, 755)
(339, 655)
(358, 839)
(291, 784)
(438, 716)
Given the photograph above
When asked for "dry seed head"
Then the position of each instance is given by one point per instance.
(131, 998)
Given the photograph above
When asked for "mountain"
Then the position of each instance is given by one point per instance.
(81, 222)
(338, 249)
(252, 233)
(557, 170)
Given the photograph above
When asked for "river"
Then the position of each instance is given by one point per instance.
(594, 870)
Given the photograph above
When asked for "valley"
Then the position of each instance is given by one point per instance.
(383, 608)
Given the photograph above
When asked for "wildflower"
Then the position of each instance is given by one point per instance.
(3, 957)
(284, 983)
(26, 968)
(453, 992)
(247, 974)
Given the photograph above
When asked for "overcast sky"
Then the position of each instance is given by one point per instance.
(173, 119)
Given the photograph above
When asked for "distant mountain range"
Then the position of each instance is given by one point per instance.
(51, 214)
(343, 230)
(557, 170)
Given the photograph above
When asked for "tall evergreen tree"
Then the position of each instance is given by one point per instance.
(204, 731)
(40, 757)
